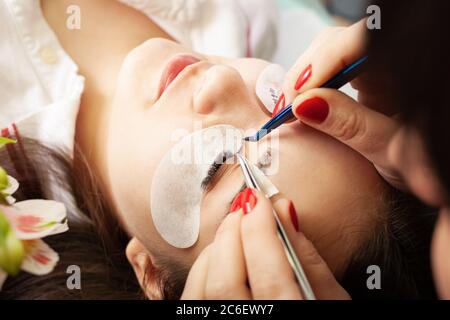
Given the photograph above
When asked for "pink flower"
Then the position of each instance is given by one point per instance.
(22, 227)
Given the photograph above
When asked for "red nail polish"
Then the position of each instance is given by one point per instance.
(281, 103)
(293, 216)
(248, 201)
(304, 77)
(236, 205)
(315, 109)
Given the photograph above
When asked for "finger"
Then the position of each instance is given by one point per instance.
(288, 216)
(326, 34)
(363, 129)
(194, 288)
(269, 272)
(334, 51)
(321, 279)
(319, 275)
(227, 276)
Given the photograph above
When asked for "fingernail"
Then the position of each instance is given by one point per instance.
(304, 77)
(281, 103)
(236, 204)
(314, 109)
(293, 215)
(249, 200)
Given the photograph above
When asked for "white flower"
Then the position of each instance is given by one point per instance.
(22, 226)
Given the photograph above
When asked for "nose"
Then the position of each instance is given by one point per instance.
(395, 150)
(222, 89)
(225, 96)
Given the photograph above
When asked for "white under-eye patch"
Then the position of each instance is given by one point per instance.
(177, 192)
(269, 85)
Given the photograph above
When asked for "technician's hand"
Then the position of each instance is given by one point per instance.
(363, 125)
(247, 259)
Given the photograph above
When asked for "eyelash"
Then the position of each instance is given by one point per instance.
(220, 160)
(263, 163)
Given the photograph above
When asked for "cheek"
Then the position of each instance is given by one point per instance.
(408, 156)
(422, 183)
(139, 224)
(209, 223)
(441, 257)
(215, 206)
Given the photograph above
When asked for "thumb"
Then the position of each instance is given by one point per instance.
(322, 280)
(364, 130)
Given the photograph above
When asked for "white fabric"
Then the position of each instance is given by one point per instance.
(40, 87)
(298, 27)
(231, 28)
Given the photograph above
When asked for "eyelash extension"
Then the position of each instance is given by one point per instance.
(265, 161)
(217, 164)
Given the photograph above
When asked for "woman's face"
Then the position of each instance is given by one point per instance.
(407, 152)
(336, 192)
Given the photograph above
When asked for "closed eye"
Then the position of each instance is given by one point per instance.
(214, 169)
(263, 163)
(218, 169)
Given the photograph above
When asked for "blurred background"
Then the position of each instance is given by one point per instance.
(350, 10)
(302, 20)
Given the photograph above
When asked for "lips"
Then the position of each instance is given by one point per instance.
(174, 67)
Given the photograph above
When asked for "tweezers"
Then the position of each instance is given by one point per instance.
(339, 80)
(300, 275)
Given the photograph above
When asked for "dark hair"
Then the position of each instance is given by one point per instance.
(399, 245)
(410, 51)
(94, 242)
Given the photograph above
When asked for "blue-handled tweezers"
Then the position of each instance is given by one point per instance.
(339, 80)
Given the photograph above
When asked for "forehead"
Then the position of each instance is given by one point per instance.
(337, 192)
(322, 168)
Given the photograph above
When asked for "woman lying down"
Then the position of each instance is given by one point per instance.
(151, 203)
(144, 214)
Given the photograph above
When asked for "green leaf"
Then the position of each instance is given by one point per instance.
(4, 183)
(3, 199)
(4, 141)
(4, 225)
(12, 251)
